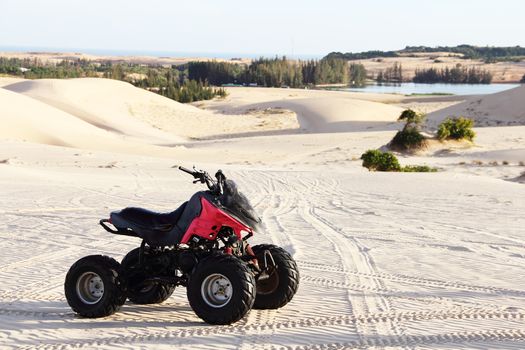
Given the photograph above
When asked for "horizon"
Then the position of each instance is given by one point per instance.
(182, 54)
(294, 29)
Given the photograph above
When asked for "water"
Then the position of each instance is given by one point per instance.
(416, 88)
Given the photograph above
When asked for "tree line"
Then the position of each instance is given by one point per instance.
(278, 72)
(393, 74)
(36, 69)
(487, 53)
(270, 72)
(171, 82)
(455, 75)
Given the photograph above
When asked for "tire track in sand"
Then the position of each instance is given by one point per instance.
(147, 335)
(415, 280)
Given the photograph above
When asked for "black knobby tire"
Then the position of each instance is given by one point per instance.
(279, 288)
(238, 282)
(104, 271)
(139, 293)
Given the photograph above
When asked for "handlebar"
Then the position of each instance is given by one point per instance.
(186, 170)
(204, 177)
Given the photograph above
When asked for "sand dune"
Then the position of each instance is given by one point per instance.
(24, 118)
(341, 114)
(503, 108)
(124, 109)
(108, 104)
(316, 110)
(387, 260)
(9, 80)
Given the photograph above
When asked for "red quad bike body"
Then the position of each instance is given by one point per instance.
(209, 222)
(202, 245)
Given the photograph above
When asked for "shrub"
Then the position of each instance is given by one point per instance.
(411, 117)
(380, 161)
(375, 160)
(457, 129)
(408, 139)
(418, 169)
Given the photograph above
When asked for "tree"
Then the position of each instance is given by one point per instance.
(391, 74)
(357, 74)
(380, 78)
(455, 75)
(117, 72)
(412, 118)
(409, 138)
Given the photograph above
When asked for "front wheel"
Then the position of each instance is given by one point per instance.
(221, 290)
(277, 287)
(94, 286)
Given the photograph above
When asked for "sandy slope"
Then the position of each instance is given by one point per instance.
(335, 114)
(104, 103)
(24, 118)
(503, 108)
(9, 80)
(316, 110)
(387, 261)
(125, 110)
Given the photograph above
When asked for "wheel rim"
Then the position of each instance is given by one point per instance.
(268, 284)
(90, 288)
(216, 290)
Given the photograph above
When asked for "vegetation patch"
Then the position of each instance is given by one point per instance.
(375, 160)
(466, 52)
(430, 94)
(456, 129)
(455, 75)
(410, 138)
(418, 169)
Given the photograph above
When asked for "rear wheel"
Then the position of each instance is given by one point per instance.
(221, 289)
(94, 286)
(276, 288)
(139, 291)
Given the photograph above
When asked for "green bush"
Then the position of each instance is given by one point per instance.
(375, 160)
(408, 139)
(411, 117)
(380, 161)
(456, 129)
(418, 169)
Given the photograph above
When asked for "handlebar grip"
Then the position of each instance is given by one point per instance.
(187, 170)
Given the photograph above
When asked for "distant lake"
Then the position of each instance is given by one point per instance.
(416, 88)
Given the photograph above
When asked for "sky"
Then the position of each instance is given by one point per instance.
(265, 27)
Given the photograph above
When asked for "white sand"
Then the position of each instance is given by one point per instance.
(387, 260)
(503, 108)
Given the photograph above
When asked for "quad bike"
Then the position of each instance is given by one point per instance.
(202, 246)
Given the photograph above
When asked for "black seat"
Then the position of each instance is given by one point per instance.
(157, 229)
